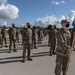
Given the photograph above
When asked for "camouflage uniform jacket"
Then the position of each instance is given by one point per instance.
(4, 32)
(0, 36)
(27, 35)
(53, 34)
(41, 32)
(0, 33)
(34, 33)
(63, 42)
(12, 33)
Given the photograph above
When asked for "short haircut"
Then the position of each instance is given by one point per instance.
(13, 25)
(28, 24)
(64, 21)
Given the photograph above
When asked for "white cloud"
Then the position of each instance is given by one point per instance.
(8, 11)
(3, 23)
(3, 1)
(71, 15)
(56, 2)
(62, 2)
(62, 17)
(45, 21)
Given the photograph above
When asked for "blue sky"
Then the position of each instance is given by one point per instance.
(31, 10)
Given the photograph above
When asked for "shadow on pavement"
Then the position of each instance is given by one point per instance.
(42, 45)
(40, 54)
(18, 58)
(4, 50)
(10, 60)
(7, 50)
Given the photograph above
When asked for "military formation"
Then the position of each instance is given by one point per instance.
(60, 41)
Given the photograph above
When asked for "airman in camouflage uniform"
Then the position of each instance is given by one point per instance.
(4, 35)
(73, 38)
(12, 37)
(63, 48)
(41, 33)
(34, 37)
(39, 36)
(17, 35)
(21, 31)
(52, 40)
(0, 38)
(45, 32)
(49, 35)
(27, 41)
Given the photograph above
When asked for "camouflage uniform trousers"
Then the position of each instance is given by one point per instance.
(1, 41)
(14, 46)
(41, 37)
(26, 45)
(33, 42)
(61, 63)
(49, 40)
(52, 46)
(17, 38)
(22, 38)
(5, 40)
(39, 40)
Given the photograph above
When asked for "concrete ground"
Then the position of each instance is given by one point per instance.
(42, 64)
